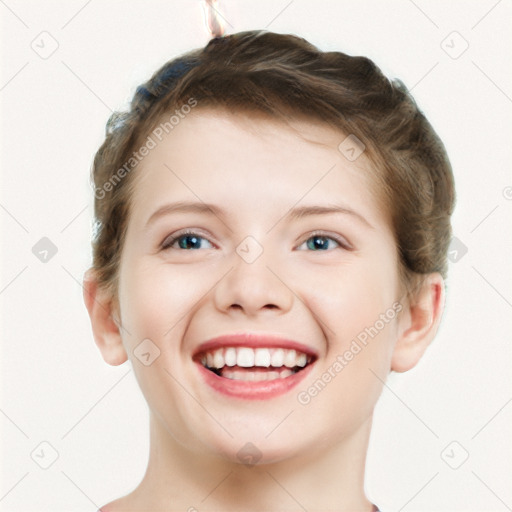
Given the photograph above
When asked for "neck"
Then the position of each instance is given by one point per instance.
(178, 479)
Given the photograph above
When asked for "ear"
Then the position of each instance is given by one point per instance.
(105, 326)
(419, 322)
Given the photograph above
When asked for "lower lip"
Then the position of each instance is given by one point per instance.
(251, 390)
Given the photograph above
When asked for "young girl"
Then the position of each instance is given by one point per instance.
(272, 233)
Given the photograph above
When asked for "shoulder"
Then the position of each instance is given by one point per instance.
(127, 503)
(113, 506)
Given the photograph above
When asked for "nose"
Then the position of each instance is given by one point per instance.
(253, 288)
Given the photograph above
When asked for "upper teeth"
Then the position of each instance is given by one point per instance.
(248, 357)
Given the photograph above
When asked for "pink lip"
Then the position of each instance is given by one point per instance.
(251, 390)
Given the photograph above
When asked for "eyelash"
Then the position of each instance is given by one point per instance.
(169, 242)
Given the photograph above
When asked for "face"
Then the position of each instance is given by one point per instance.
(257, 319)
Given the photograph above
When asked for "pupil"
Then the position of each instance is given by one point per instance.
(318, 242)
(185, 245)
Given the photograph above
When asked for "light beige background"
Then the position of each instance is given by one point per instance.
(57, 390)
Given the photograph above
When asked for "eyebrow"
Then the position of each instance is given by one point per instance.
(211, 209)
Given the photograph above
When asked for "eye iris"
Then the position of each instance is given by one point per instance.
(195, 241)
(191, 241)
(318, 242)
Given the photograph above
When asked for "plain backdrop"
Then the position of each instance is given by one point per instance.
(74, 430)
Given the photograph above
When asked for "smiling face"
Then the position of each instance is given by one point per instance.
(262, 259)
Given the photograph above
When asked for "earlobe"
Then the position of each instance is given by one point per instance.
(419, 323)
(105, 328)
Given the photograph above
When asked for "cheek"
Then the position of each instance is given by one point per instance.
(357, 309)
(156, 297)
(155, 300)
(349, 380)
(351, 298)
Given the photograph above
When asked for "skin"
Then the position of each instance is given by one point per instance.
(257, 169)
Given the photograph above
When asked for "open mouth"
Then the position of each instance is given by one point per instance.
(254, 364)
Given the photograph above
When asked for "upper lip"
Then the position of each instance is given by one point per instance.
(253, 340)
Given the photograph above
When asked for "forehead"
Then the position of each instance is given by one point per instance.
(237, 159)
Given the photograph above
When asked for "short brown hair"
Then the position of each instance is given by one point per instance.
(284, 76)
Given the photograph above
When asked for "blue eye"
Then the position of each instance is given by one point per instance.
(320, 242)
(190, 240)
(187, 240)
